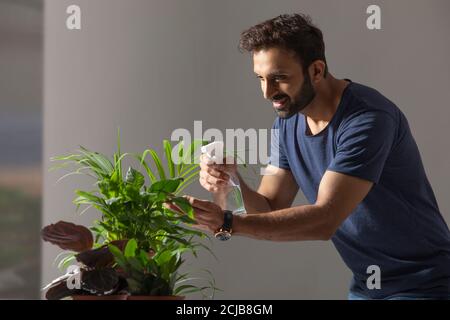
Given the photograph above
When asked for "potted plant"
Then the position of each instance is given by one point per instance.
(137, 247)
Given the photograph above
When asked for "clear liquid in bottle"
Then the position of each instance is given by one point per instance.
(229, 197)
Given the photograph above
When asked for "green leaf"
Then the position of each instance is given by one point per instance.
(195, 289)
(117, 157)
(130, 249)
(86, 197)
(180, 157)
(168, 186)
(77, 172)
(118, 255)
(207, 249)
(170, 164)
(115, 178)
(188, 181)
(143, 256)
(180, 289)
(136, 264)
(97, 161)
(149, 171)
(134, 178)
(189, 169)
(70, 157)
(163, 257)
(118, 141)
(67, 261)
(108, 187)
(184, 205)
(157, 162)
(113, 200)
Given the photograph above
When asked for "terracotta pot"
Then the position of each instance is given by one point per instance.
(156, 298)
(91, 297)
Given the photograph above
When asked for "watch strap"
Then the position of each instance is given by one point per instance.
(227, 220)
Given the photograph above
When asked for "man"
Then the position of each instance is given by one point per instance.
(351, 152)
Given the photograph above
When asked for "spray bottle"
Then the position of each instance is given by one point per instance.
(230, 196)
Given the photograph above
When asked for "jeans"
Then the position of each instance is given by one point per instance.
(353, 296)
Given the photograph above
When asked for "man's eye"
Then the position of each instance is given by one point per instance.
(279, 78)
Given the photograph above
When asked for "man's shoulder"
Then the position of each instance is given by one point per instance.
(364, 101)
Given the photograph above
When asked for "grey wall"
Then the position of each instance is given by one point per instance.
(154, 66)
(20, 57)
(21, 46)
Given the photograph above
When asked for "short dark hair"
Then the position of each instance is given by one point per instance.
(294, 32)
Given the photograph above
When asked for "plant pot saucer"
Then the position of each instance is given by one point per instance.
(156, 298)
(92, 297)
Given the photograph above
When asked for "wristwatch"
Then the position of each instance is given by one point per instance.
(224, 233)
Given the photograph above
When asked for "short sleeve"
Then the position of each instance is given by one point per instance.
(363, 144)
(278, 156)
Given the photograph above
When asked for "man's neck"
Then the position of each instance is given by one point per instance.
(321, 110)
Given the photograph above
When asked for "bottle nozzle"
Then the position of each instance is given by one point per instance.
(214, 151)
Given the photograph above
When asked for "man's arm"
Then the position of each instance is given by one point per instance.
(276, 191)
(338, 196)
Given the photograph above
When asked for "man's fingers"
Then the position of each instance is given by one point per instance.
(218, 174)
(201, 204)
(211, 179)
(205, 160)
(203, 219)
(173, 207)
(209, 170)
(209, 187)
(204, 166)
(200, 227)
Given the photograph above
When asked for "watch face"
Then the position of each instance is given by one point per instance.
(223, 235)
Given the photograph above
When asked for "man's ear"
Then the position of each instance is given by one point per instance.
(316, 71)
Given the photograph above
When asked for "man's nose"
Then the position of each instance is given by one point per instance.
(269, 89)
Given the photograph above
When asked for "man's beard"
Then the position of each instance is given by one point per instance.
(300, 101)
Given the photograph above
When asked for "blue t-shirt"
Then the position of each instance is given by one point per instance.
(398, 226)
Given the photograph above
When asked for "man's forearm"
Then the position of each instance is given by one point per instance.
(254, 202)
(309, 222)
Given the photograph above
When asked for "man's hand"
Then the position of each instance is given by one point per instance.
(208, 215)
(214, 177)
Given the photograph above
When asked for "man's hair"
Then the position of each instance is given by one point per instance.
(293, 32)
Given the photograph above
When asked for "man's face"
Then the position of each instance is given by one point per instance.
(283, 81)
